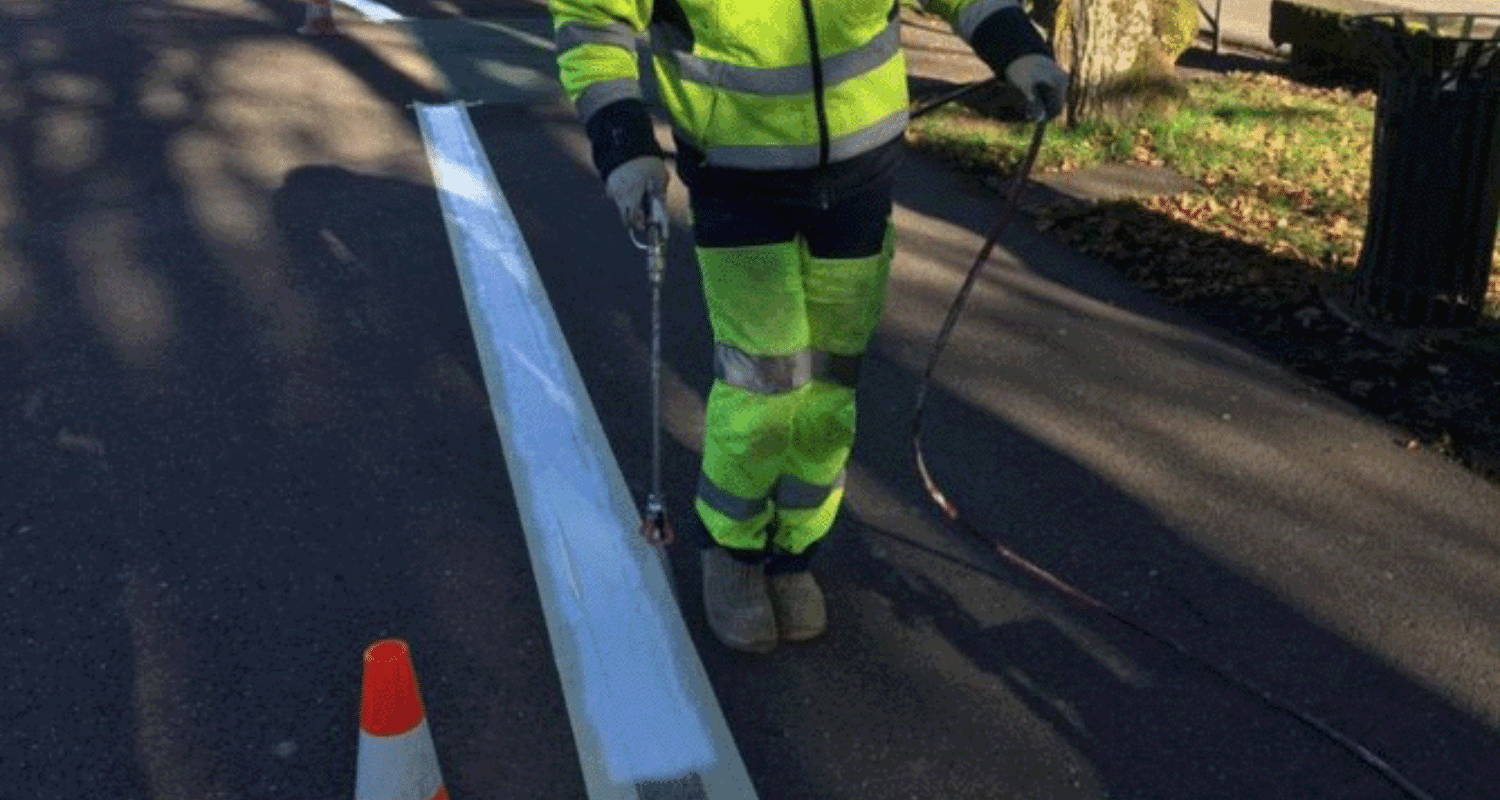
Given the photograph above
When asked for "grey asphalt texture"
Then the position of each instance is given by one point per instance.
(243, 434)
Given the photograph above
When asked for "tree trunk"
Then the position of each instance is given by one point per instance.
(1119, 52)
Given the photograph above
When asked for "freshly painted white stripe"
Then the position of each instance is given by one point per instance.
(372, 10)
(637, 696)
(401, 767)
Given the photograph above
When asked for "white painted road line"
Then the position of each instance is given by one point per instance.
(372, 11)
(642, 709)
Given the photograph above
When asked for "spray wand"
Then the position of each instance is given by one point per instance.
(655, 525)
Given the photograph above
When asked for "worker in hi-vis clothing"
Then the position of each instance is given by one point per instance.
(787, 117)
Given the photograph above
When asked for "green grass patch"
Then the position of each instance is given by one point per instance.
(1282, 165)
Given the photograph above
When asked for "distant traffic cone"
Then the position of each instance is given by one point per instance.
(319, 19)
(397, 760)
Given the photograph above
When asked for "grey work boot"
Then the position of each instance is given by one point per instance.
(739, 609)
(798, 602)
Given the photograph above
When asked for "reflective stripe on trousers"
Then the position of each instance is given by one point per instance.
(788, 493)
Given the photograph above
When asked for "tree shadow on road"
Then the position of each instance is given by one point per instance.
(245, 436)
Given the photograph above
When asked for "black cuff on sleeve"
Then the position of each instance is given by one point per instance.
(1005, 36)
(619, 132)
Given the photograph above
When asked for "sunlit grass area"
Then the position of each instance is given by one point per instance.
(1279, 165)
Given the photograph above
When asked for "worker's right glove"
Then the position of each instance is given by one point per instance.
(1042, 81)
(633, 185)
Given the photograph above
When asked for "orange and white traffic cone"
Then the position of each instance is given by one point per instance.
(319, 19)
(397, 760)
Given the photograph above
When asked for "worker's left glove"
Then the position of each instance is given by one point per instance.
(633, 185)
(1042, 81)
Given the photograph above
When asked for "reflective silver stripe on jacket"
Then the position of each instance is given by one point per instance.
(792, 492)
(598, 95)
(801, 156)
(782, 374)
(868, 57)
(868, 138)
(776, 81)
(976, 13)
(572, 34)
(740, 509)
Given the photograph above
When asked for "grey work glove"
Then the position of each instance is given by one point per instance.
(1042, 81)
(633, 185)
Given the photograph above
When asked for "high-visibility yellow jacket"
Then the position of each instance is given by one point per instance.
(759, 84)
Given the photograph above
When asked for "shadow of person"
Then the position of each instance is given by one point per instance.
(373, 254)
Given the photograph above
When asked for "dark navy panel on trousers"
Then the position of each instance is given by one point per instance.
(855, 227)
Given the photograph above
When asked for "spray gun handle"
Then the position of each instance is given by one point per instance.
(656, 221)
(655, 229)
(656, 240)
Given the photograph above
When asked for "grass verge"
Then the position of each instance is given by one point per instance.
(1282, 165)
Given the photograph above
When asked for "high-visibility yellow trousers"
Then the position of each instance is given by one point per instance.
(789, 328)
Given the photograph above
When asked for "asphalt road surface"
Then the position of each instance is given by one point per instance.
(243, 433)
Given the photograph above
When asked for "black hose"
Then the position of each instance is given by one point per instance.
(932, 104)
(1078, 596)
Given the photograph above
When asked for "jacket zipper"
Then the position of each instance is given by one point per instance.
(817, 76)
